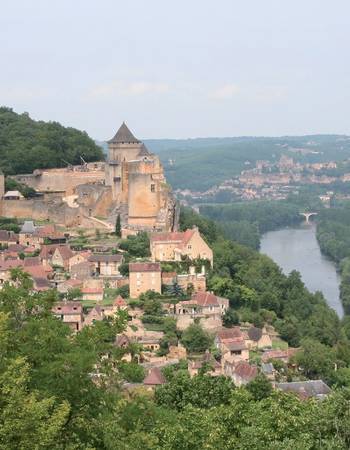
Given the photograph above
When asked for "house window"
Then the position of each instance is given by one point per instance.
(189, 247)
(153, 188)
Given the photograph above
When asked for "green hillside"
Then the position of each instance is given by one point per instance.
(26, 144)
(198, 164)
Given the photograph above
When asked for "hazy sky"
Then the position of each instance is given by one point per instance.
(180, 68)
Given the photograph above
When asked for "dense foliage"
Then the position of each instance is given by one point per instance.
(27, 144)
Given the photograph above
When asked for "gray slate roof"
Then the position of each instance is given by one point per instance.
(28, 227)
(306, 389)
(124, 136)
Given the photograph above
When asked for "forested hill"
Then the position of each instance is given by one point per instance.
(198, 164)
(26, 144)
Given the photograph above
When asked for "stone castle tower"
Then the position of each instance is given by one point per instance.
(138, 184)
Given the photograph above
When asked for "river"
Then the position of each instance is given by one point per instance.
(297, 248)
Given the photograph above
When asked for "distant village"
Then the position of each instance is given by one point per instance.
(271, 181)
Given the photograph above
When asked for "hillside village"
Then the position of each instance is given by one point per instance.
(159, 280)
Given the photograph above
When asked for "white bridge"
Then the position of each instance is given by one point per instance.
(307, 215)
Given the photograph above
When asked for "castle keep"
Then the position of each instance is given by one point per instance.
(131, 183)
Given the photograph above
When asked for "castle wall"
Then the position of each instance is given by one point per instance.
(63, 180)
(39, 209)
(143, 199)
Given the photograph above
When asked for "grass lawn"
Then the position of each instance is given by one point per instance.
(91, 303)
(278, 344)
(154, 326)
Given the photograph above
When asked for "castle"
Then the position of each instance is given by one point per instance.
(131, 183)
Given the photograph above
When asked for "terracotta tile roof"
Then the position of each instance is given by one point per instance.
(119, 301)
(245, 371)
(235, 344)
(32, 261)
(15, 248)
(47, 251)
(41, 284)
(205, 299)
(144, 267)
(230, 333)
(36, 271)
(180, 237)
(10, 264)
(67, 308)
(154, 377)
(73, 283)
(278, 354)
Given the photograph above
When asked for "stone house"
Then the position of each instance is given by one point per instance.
(106, 265)
(174, 246)
(31, 235)
(154, 378)
(144, 277)
(56, 255)
(281, 355)
(82, 270)
(78, 258)
(230, 342)
(306, 389)
(8, 238)
(90, 293)
(208, 359)
(257, 338)
(70, 313)
(95, 314)
(241, 372)
(203, 304)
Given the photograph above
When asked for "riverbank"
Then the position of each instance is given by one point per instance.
(297, 248)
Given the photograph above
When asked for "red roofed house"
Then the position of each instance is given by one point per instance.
(56, 255)
(8, 237)
(70, 313)
(92, 293)
(154, 378)
(172, 246)
(241, 372)
(203, 303)
(144, 277)
(231, 343)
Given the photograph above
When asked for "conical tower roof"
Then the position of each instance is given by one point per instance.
(124, 136)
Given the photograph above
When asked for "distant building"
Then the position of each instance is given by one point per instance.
(71, 313)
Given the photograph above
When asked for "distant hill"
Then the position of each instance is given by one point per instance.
(198, 164)
(26, 144)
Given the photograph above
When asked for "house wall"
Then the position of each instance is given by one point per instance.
(197, 247)
(140, 282)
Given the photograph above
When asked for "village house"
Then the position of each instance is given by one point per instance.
(231, 343)
(82, 270)
(154, 378)
(203, 304)
(92, 293)
(95, 314)
(208, 362)
(106, 265)
(144, 277)
(257, 338)
(68, 285)
(78, 257)
(70, 313)
(241, 372)
(306, 389)
(8, 238)
(31, 235)
(280, 355)
(56, 255)
(174, 246)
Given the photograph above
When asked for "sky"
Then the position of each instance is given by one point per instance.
(179, 69)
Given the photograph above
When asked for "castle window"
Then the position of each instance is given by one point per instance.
(153, 188)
